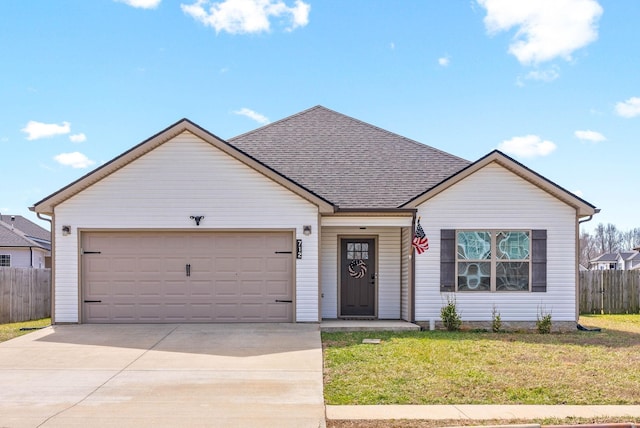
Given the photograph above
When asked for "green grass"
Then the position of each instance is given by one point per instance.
(9, 331)
(439, 367)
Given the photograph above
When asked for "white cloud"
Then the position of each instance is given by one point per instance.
(247, 16)
(578, 193)
(252, 115)
(547, 75)
(546, 29)
(444, 61)
(36, 130)
(74, 160)
(629, 108)
(392, 45)
(78, 138)
(141, 4)
(528, 146)
(593, 136)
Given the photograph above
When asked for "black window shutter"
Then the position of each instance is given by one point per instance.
(539, 260)
(447, 260)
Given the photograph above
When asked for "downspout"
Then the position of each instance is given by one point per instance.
(31, 256)
(53, 265)
(596, 211)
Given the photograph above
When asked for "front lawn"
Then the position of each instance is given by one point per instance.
(439, 367)
(9, 331)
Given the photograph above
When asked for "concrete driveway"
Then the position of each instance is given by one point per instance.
(196, 375)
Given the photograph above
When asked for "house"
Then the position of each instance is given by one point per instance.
(308, 218)
(23, 243)
(621, 260)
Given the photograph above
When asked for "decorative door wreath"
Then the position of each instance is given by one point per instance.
(357, 269)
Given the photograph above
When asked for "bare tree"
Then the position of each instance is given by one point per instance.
(630, 239)
(608, 238)
(588, 250)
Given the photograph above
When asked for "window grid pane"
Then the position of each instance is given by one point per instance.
(474, 246)
(512, 276)
(357, 251)
(512, 245)
(474, 276)
(5, 260)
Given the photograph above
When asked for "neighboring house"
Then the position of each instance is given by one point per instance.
(628, 260)
(622, 260)
(310, 218)
(606, 261)
(23, 243)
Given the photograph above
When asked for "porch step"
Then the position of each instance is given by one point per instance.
(367, 325)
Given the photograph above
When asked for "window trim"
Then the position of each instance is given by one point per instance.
(493, 233)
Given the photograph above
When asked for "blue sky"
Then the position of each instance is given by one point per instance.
(553, 83)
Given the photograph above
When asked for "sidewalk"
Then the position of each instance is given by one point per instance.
(477, 412)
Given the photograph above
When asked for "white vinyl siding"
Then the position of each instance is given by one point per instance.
(389, 269)
(405, 272)
(25, 258)
(162, 189)
(495, 198)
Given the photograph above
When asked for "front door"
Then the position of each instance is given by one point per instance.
(357, 277)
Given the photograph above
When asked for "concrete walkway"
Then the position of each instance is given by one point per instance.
(478, 412)
(198, 375)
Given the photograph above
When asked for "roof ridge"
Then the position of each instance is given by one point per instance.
(284, 119)
(386, 131)
(19, 233)
(353, 119)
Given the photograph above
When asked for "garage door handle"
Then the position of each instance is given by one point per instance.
(284, 301)
(284, 252)
(188, 267)
(93, 301)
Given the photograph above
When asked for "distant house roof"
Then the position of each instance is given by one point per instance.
(349, 162)
(605, 257)
(17, 231)
(630, 255)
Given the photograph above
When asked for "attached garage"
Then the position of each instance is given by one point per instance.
(187, 277)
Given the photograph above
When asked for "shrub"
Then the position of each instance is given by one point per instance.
(449, 315)
(543, 324)
(496, 321)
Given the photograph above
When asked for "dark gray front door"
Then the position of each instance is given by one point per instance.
(358, 277)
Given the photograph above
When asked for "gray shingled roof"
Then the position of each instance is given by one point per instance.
(348, 162)
(606, 257)
(27, 227)
(12, 237)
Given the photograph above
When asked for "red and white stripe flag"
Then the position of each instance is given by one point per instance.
(420, 241)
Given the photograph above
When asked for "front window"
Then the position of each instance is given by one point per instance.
(5, 260)
(490, 260)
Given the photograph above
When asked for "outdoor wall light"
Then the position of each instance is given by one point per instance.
(197, 219)
(66, 230)
(306, 230)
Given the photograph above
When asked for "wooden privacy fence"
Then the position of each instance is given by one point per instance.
(25, 294)
(610, 292)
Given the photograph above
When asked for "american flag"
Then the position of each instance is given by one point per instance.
(420, 241)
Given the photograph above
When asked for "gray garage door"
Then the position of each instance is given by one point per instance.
(176, 277)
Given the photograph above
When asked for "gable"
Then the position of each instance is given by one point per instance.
(183, 176)
(47, 205)
(495, 197)
(496, 158)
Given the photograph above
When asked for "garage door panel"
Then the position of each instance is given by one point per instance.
(142, 277)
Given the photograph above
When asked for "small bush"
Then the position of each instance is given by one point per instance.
(543, 324)
(496, 321)
(449, 315)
